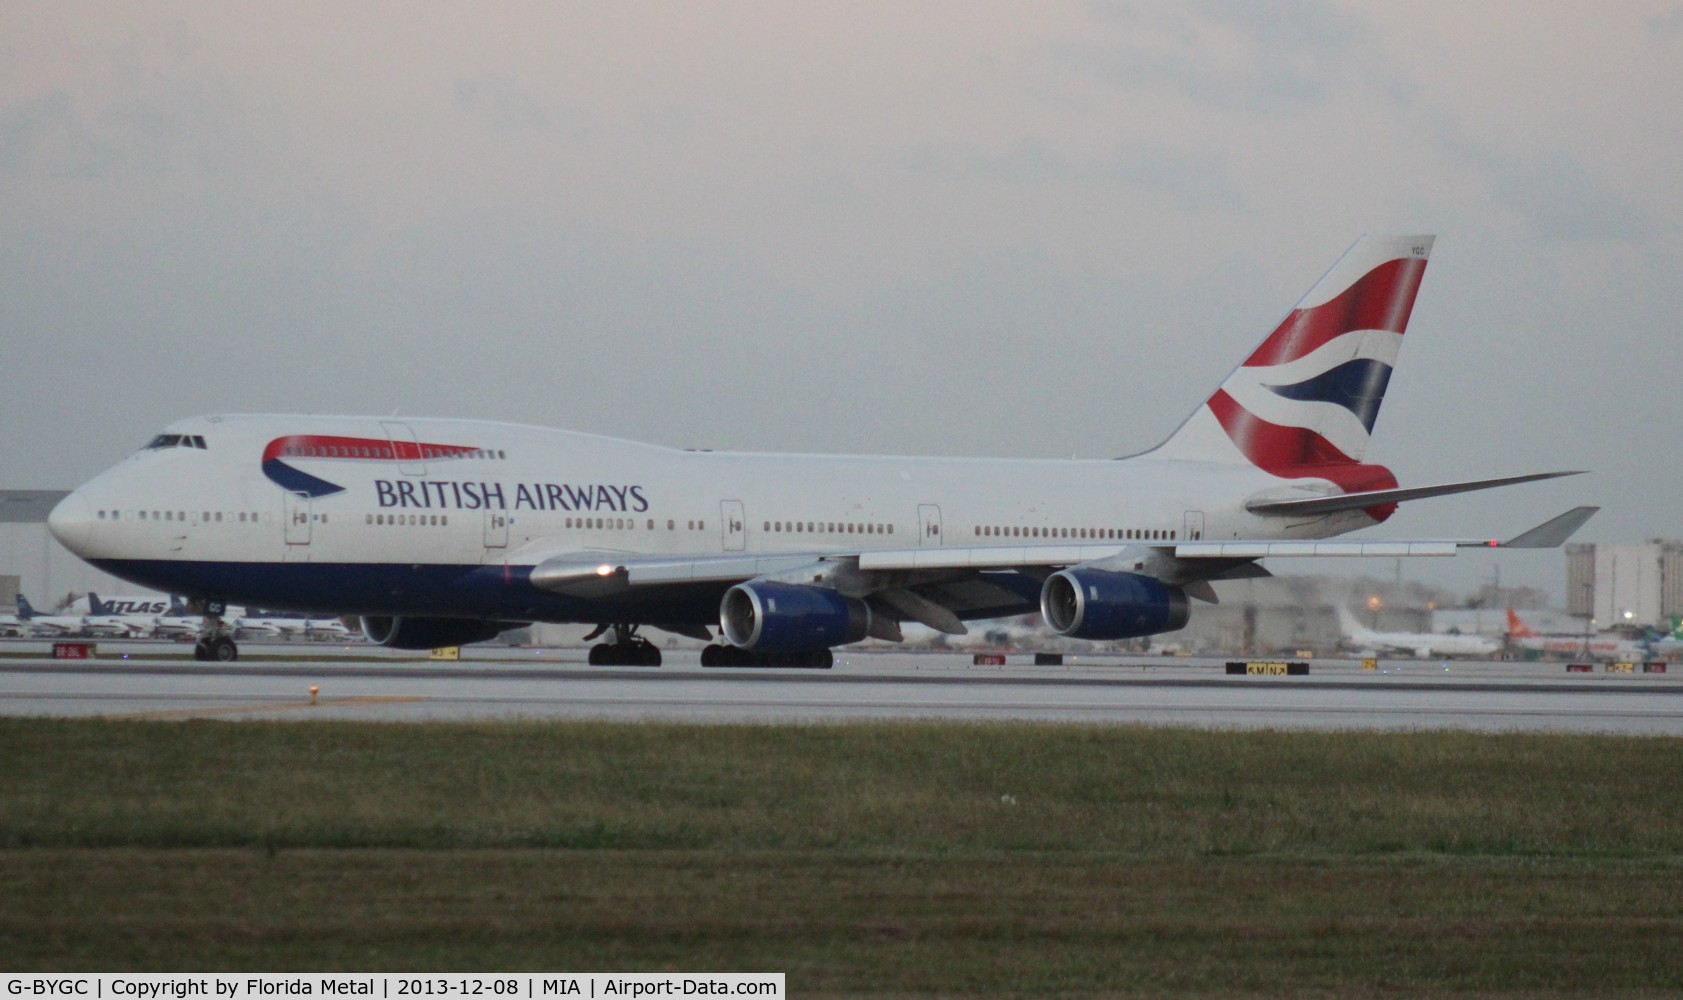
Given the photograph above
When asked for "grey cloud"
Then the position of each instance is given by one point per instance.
(1195, 182)
(1553, 189)
(508, 106)
(1564, 200)
(47, 134)
(163, 115)
(1668, 24)
(1291, 54)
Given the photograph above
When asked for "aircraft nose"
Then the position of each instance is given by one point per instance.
(71, 522)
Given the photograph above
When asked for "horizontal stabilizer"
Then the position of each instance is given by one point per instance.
(1370, 498)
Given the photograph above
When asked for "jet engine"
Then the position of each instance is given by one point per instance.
(786, 617)
(429, 633)
(1094, 604)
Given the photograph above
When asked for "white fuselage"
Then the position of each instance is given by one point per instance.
(331, 513)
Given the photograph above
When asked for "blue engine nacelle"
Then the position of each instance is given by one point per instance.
(430, 633)
(1092, 604)
(788, 617)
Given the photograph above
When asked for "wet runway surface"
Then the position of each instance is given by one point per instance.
(275, 683)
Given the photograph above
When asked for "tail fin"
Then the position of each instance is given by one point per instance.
(1353, 629)
(1305, 402)
(25, 611)
(1516, 628)
(96, 606)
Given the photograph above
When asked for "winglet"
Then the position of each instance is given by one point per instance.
(1553, 533)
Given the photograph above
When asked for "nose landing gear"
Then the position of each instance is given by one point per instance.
(216, 641)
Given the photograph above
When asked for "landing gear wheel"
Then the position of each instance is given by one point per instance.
(635, 652)
(222, 650)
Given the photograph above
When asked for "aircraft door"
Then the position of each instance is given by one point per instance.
(405, 447)
(297, 519)
(733, 525)
(929, 524)
(496, 529)
(1194, 525)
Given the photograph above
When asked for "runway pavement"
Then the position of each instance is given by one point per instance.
(377, 685)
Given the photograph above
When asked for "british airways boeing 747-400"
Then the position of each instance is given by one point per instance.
(441, 532)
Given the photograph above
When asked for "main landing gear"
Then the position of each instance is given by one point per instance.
(216, 640)
(627, 650)
(718, 655)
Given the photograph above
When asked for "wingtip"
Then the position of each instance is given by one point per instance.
(1553, 533)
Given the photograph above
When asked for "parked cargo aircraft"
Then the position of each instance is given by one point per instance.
(72, 624)
(1423, 645)
(15, 625)
(105, 620)
(440, 532)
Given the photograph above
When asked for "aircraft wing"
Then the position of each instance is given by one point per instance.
(596, 573)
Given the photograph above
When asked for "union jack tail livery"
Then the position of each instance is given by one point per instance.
(1304, 404)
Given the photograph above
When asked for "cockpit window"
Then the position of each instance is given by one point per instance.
(177, 441)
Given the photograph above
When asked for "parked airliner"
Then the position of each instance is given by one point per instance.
(441, 532)
(1423, 645)
(1593, 645)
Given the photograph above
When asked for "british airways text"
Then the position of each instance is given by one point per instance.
(433, 494)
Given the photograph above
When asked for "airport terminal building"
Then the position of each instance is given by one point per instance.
(1625, 584)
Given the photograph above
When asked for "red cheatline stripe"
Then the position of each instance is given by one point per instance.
(1382, 299)
(331, 446)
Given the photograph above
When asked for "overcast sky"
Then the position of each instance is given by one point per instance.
(955, 228)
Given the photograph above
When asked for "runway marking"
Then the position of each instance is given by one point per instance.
(274, 706)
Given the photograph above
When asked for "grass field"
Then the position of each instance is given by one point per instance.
(859, 859)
